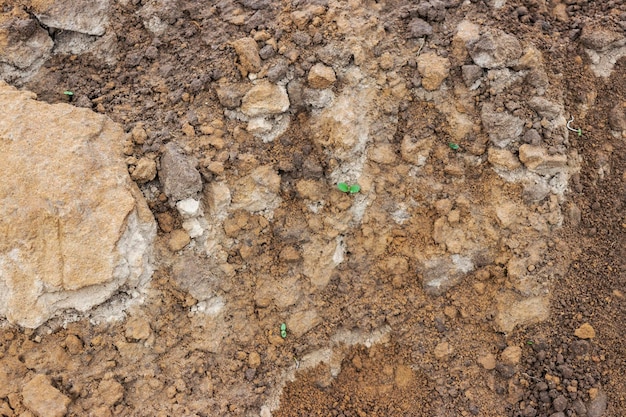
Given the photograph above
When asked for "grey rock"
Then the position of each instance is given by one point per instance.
(545, 108)
(230, 95)
(334, 54)
(560, 403)
(277, 71)
(471, 74)
(440, 274)
(559, 414)
(599, 39)
(26, 48)
(196, 276)
(267, 52)
(419, 28)
(495, 49)
(178, 174)
(295, 90)
(597, 406)
(532, 137)
(256, 4)
(502, 127)
(579, 407)
(85, 16)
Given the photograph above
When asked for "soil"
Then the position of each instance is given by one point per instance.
(385, 346)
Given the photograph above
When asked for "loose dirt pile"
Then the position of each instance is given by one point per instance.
(479, 270)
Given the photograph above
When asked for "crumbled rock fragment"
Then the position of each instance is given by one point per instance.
(265, 99)
(248, 52)
(495, 49)
(178, 174)
(443, 350)
(43, 399)
(502, 127)
(321, 76)
(110, 392)
(301, 322)
(503, 159)
(144, 171)
(511, 355)
(537, 159)
(599, 39)
(84, 16)
(433, 69)
(585, 331)
(178, 239)
(520, 313)
(419, 28)
(487, 361)
(137, 328)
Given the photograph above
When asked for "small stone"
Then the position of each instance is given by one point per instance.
(443, 350)
(144, 171)
(43, 399)
(419, 28)
(139, 134)
(559, 403)
(110, 392)
(178, 174)
(265, 99)
(248, 52)
(495, 49)
(511, 355)
(585, 332)
(471, 74)
(166, 222)
(502, 127)
(289, 254)
(503, 159)
(179, 238)
(73, 344)
(188, 208)
(301, 322)
(404, 376)
(537, 159)
(254, 360)
(321, 76)
(137, 328)
(597, 406)
(230, 95)
(433, 69)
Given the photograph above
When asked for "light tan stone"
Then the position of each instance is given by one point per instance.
(321, 76)
(585, 331)
(144, 171)
(43, 399)
(265, 99)
(487, 361)
(443, 350)
(503, 159)
(179, 238)
(537, 159)
(75, 227)
(433, 69)
(511, 355)
(248, 52)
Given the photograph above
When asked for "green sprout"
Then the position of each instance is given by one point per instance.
(283, 330)
(69, 94)
(453, 146)
(351, 189)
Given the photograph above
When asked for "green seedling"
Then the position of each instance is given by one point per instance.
(530, 343)
(283, 330)
(453, 146)
(69, 94)
(351, 189)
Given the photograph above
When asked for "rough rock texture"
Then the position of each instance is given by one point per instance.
(24, 45)
(74, 227)
(43, 399)
(178, 174)
(433, 69)
(265, 99)
(502, 127)
(321, 76)
(84, 16)
(248, 52)
(495, 50)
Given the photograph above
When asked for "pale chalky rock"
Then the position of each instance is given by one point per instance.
(321, 76)
(43, 399)
(74, 227)
(433, 69)
(524, 312)
(495, 49)
(257, 191)
(84, 16)
(178, 174)
(248, 52)
(265, 99)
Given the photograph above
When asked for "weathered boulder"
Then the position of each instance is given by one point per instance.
(85, 16)
(495, 49)
(74, 227)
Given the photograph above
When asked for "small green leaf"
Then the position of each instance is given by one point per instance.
(342, 186)
(355, 188)
(283, 330)
(453, 146)
(68, 93)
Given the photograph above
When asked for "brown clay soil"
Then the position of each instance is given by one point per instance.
(178, 371)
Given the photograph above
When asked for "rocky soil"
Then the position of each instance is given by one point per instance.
(175, 244)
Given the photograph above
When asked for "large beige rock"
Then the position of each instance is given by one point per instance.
(84, 16)
(74, 227)
(265, 99)
(43, 399)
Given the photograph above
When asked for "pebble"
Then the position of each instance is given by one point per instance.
(443, 350)
(511, 355)
(248, 52)
(321, 76)
(585, 331)
(179, 238)
(487, 361)
(43, 399)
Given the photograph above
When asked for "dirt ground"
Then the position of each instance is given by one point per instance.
(370, 340)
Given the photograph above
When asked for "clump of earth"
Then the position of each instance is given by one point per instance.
(175, 241)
